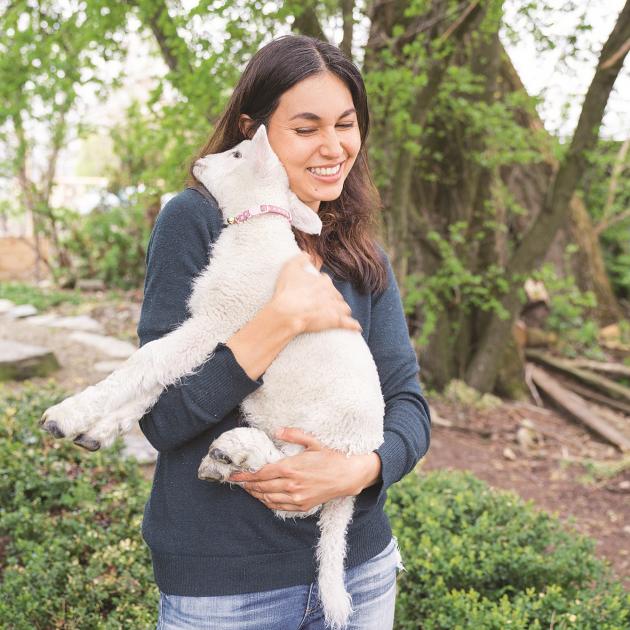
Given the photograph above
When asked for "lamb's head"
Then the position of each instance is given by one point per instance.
(250, 174)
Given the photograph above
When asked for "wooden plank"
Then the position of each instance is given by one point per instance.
(616, 369)
(601, 383)
(578, 408)
(596, 396)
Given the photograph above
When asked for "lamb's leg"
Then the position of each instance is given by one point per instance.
(103, 433)
(247, 448)
(243, 448)
(141, 378)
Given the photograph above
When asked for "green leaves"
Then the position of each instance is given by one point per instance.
(481, 558)
(454, 285)
(70, 522)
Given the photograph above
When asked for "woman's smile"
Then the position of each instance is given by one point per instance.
(328, 175)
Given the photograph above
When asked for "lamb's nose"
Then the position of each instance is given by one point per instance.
(219, 455)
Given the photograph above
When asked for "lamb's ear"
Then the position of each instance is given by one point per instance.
(302, 217)
(264, 156)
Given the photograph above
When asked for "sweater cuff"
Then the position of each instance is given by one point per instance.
(225, 386)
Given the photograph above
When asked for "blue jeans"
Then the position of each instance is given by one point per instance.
(371, 584)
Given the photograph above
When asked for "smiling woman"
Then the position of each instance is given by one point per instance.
(313, 103)
(221, 558)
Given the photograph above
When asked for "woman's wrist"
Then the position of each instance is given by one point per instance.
(293, 322)
(368, 471)
(259, 342)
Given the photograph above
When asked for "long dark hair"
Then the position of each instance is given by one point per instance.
(347, 243)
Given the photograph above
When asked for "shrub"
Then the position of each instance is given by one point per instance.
(109, 243)
(70, 523)
(74, 558)
(478, 559)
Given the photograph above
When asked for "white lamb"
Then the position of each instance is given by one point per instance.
(325, 383)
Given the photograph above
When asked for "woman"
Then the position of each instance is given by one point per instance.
(221, 558)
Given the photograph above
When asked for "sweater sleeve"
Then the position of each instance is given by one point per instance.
(407, 421)
(178, 250)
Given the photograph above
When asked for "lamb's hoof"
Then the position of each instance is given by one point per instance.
(52, 427)
(87, 442)
(207, 473)
(220, 456)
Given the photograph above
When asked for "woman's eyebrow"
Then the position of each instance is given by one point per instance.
(311, 116)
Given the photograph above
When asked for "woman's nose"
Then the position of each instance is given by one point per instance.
(331, 147)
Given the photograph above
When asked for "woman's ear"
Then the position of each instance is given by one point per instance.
(245, 124)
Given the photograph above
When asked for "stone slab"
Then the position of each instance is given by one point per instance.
(19, 361)
(112, 347)
(22, 310)
(6, 305)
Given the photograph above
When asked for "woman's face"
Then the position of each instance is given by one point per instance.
(315, 125)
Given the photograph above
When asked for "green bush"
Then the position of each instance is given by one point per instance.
(70, 525)
(72, 555)
(478, 559)
(109, 243)
(572, 312)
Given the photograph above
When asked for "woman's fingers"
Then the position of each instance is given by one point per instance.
(276, 500)
(274, 495)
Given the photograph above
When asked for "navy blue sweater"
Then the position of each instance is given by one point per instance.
(213, 539)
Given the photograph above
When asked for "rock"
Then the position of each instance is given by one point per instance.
(90, 284)
(539, 338)
(136, 445)
(508, 453)
(527, 436)
(19, 361)
(43, 320)
(107, 345)
(6, 305)
(79, 322)
(22, 310)
(489, 401)
(459, 392)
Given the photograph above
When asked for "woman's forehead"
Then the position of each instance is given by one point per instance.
(325, 96)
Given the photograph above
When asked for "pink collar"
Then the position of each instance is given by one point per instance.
(256, 210)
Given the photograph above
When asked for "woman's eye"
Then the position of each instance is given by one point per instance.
(344, 126)
(237, 154)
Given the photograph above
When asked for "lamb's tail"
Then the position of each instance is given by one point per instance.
(331, 552)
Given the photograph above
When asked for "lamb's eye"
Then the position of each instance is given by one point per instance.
(237, 154)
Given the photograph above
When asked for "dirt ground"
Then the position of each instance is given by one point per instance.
(555, 472)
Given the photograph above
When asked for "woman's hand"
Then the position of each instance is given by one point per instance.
(311, 299)
(318, 474)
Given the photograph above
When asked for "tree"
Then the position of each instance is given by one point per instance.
(481, 371)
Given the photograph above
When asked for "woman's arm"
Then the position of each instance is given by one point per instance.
(407, 422)
(259, 342)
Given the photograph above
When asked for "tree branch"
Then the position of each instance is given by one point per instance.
(155, 15)
(618, 168)
(307, 23)
(347, 9)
